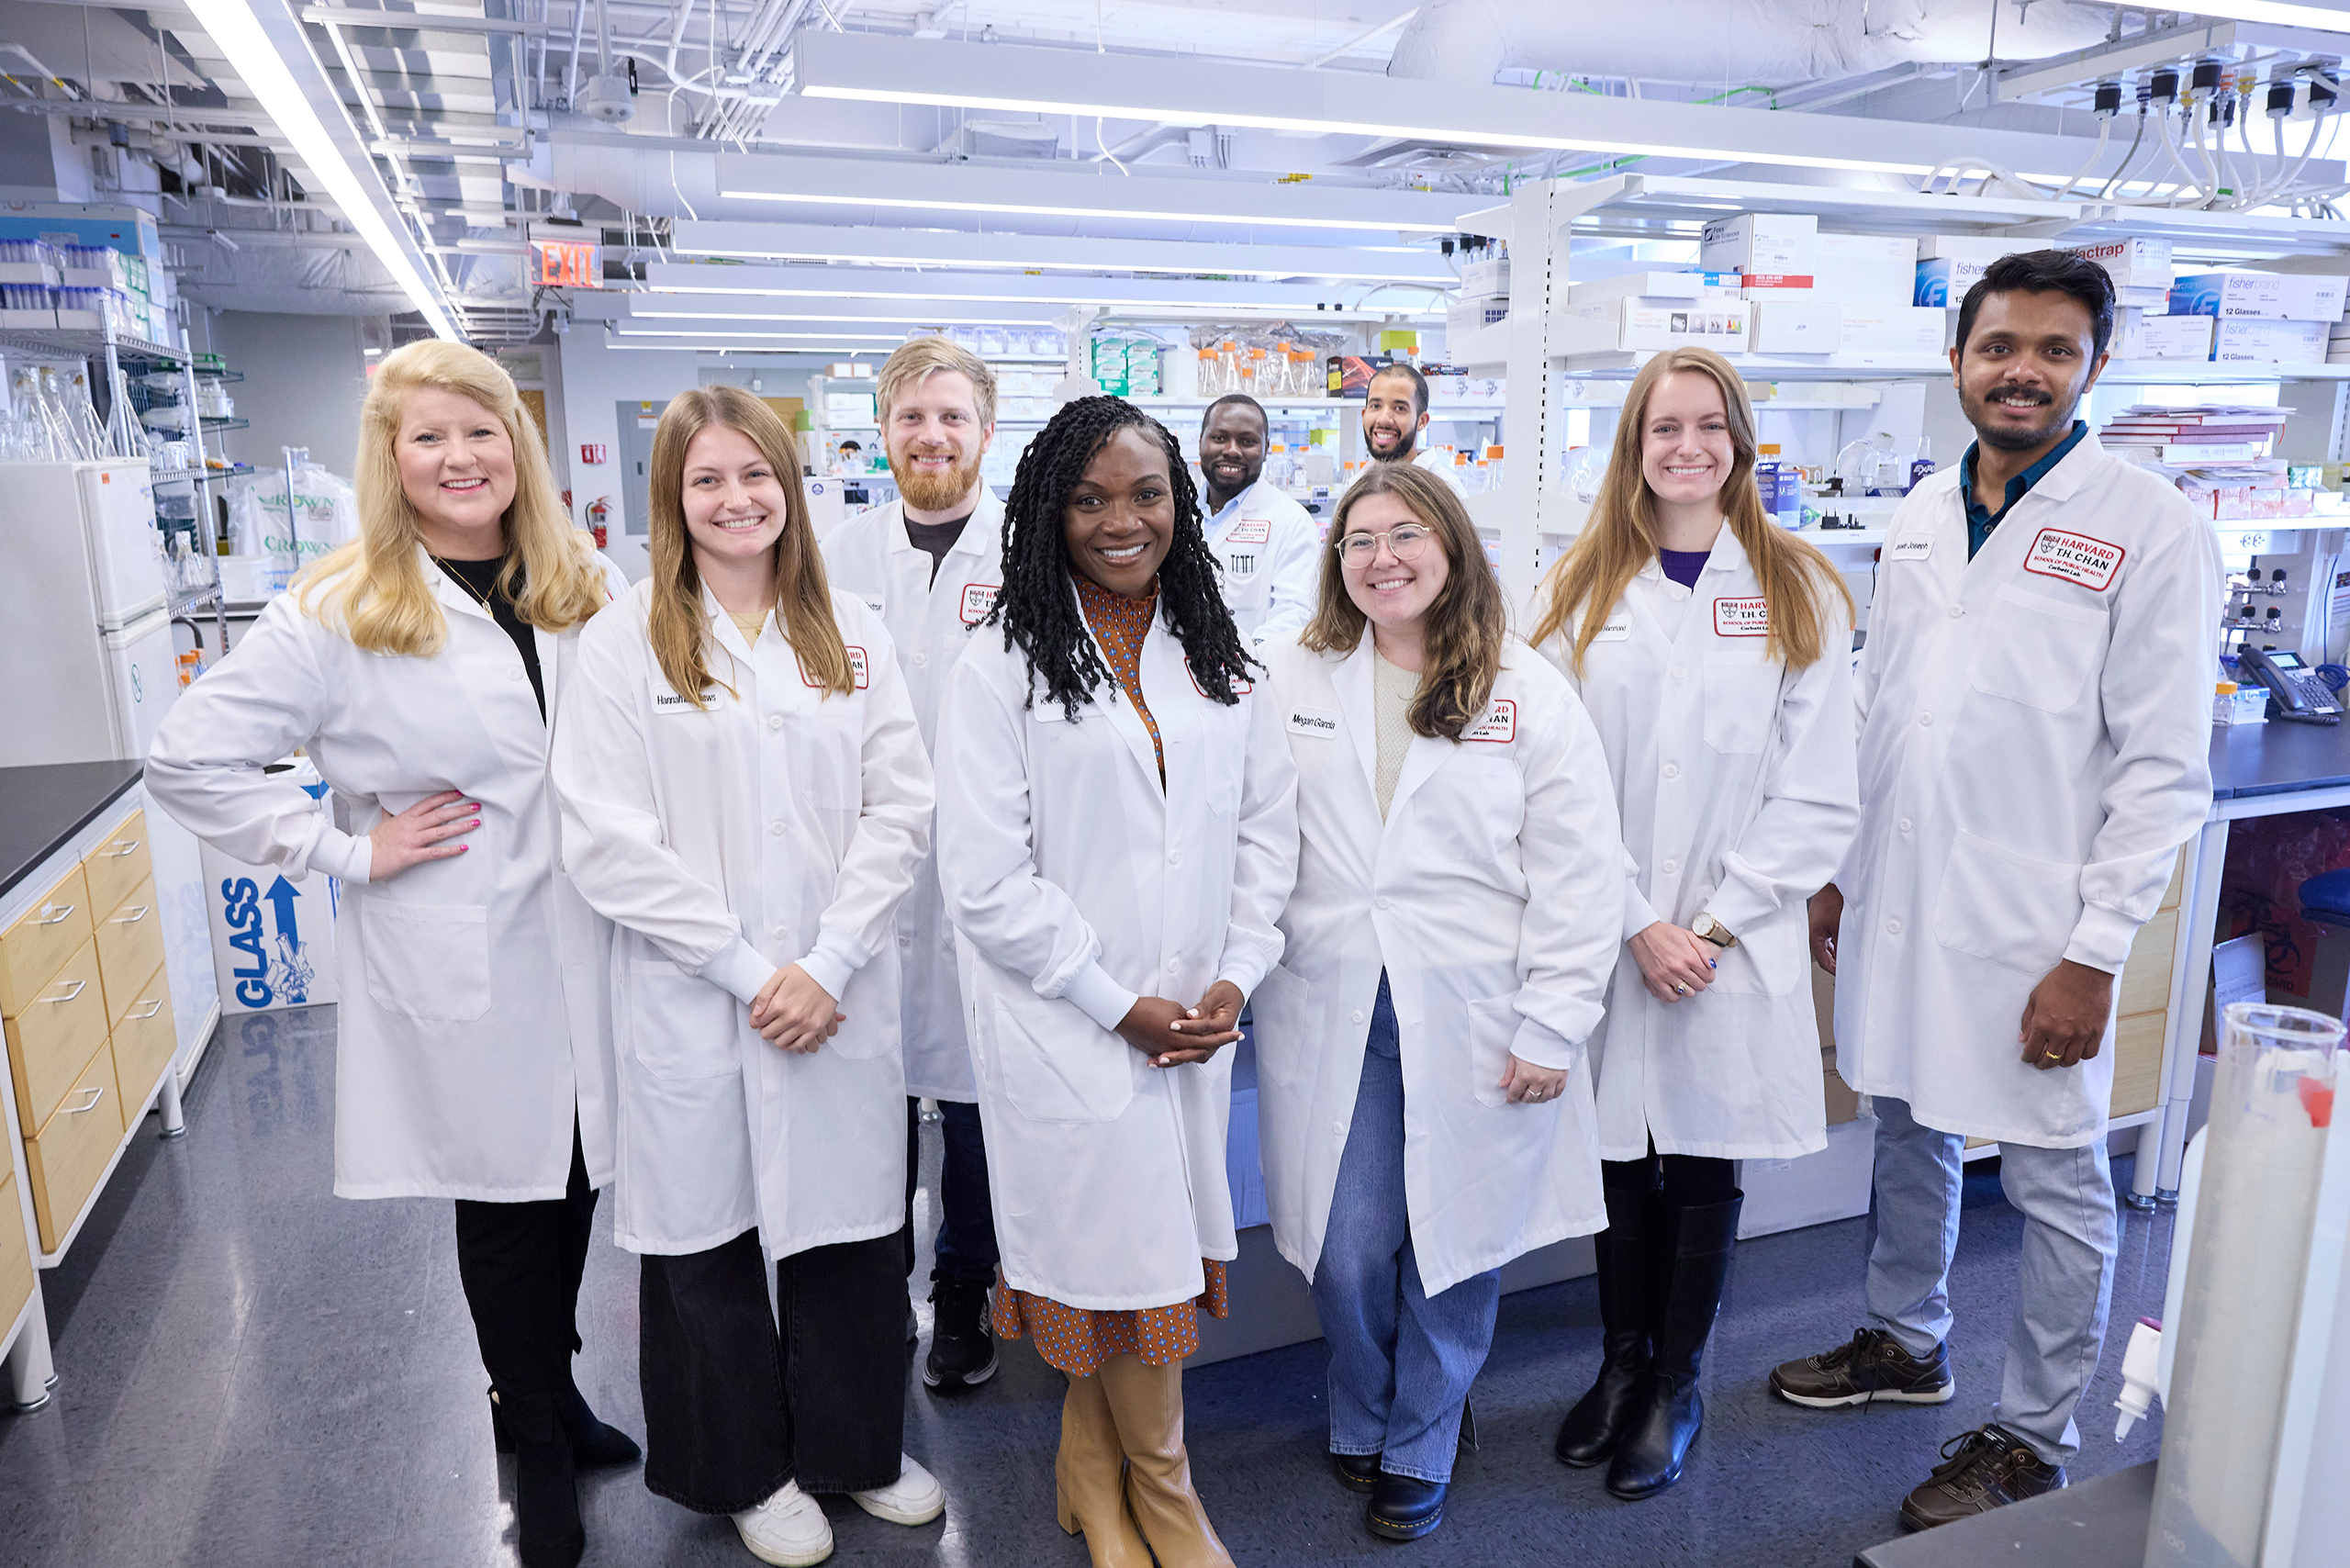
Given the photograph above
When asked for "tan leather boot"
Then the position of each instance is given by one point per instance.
(1147, 1403)
(1091, 1479)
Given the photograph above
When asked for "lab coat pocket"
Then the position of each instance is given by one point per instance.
(2038, 652)
(1057, 1066)
(682, 1028)
(1286, 1031)
(1476, 819)
(2009, 908)
(428, 960)
(1493, 1025)
(1767, 959)
(1741, 698)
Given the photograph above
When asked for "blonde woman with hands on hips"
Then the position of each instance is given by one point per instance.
(420, 667)
(1713, 651)
(1426, 1115)
(745, 795)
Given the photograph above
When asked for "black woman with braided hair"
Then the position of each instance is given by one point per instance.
(1120, 838)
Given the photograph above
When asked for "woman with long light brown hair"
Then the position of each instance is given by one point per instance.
(1425, 1110)
(746, 796)
(419, 665)
(1712, 649)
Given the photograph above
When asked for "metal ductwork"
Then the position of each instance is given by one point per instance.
(1731, 43)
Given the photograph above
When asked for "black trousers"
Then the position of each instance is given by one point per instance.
(733, 1407)
(521, 1265)
(966, 1249)
(1690, 1181)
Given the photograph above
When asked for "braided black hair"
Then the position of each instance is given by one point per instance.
(1039, 609)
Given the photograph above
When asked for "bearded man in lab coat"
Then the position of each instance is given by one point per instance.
(2035, 723)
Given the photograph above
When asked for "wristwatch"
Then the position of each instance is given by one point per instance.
(1707, 928)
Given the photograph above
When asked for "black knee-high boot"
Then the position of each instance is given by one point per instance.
(1649, 1456)
(1627, 1287)
(507, 1259)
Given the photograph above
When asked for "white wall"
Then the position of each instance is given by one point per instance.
(595, 378)
(305, 379)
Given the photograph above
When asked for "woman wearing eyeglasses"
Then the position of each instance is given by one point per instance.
(1426, 1113)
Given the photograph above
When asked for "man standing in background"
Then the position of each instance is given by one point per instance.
(1394, 417)
(930, 565)
(1265, 542)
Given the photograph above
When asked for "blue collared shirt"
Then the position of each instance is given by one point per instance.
(1981, 519)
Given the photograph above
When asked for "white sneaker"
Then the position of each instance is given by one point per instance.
(788, 1530)
(913, 1498)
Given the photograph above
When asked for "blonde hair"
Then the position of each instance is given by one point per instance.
(374, 587)
(679, 626)
(1465, 625)
(918, 359)
(1620, 536)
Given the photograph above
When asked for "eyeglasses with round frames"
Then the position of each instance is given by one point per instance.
(1404, 542)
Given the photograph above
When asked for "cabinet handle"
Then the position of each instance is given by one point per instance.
(131, 919)
(69, 995)
(90, 1104)
(63, 910)
(155, 1005)
(122, 847)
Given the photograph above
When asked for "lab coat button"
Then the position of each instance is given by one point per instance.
(905, 941)
(1174, 858)
(1670, 868)
(1893, 927)
(776, 828)
(777, 932)
(1672, 770)
(1956, 611)
(1680, 672)
(1925, 719)
(775, 720)
(1382, 903)
(1906, 824)
(1174, 964)
(514, 674)
(1358, 1016)
(1338, 1131)
(921, 659)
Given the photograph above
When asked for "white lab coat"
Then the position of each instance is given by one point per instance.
(1735, 779)
(780, 825)
(1076, 883)
(1439, 463)
(2035, 728)
(930, 620)
(1493, 897)
(1270, 556)
(474, 1016)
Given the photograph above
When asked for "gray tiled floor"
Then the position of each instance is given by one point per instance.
(254, 1373)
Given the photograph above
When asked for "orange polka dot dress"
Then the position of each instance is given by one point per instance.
(1075, 1340)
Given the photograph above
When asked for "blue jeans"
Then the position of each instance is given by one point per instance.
(966, 1251)
(2064, 1273)
(1401, 1361)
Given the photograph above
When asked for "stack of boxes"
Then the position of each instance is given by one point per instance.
(1484, 298)
(2263, 317)
(1126, 365)
(85, 287)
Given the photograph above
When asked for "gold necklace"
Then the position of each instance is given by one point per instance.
(451, 573)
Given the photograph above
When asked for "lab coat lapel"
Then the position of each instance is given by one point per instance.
(1112, 701)
(1428, 754)
(1352, 681)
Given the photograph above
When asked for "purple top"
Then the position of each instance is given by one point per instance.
(1683, 566)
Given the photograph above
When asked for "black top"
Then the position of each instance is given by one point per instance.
(481, 576)
(937, 538)
(41, 808)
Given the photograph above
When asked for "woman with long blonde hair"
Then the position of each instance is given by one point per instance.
(1426, 1113)
(418, 666)
(1713, 651)
(746, 796)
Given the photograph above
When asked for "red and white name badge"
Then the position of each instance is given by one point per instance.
(856, 665)
(1499, 725)
(1742, 617)
(1240, 688)
(977, 599)
(1251, 530)
(2075, 557)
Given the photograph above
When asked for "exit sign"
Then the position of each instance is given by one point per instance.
(566, 264)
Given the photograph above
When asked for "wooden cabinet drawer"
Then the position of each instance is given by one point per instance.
(2144, 986)
(144, 1042)
(51, 1040)
(72, 1151)
(40, 941)
(119, 865)
(15, 1254)
(2137, 1063)
(130, 943)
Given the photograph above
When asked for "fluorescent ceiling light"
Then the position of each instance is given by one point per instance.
(1143, 295)
(1025, 209)
(2272, 13)
(627, 331)
(1019, 79)
(255, 60)
(931, 248)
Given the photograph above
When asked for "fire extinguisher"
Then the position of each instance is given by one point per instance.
(599, 518)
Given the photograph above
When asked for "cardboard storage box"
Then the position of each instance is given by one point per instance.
(1759, 242)
(2258, 341)
(1798, 321)
(2271, 296)
(1647, 325)
(1893, 329)
(1866, 269)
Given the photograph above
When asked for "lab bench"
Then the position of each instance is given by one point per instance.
(90, 1029)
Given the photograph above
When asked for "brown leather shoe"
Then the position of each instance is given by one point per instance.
(1871, 1369)
(1981, 1470)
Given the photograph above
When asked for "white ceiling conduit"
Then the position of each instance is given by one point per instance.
(1774, 43)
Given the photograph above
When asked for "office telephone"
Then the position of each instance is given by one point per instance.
(2295, 692)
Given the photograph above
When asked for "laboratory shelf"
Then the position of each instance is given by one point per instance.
(201, 476)
(81, 342)
(203, 597)
(215, 422)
